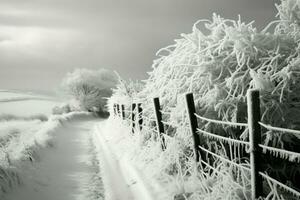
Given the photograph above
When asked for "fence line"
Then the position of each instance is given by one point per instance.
(253, 110)
(133, 116)
(190, 105)
(140, 113)
(253, 126)
(123, 111)
(274, 181)
(221, 122)
(159, 123)
(222, 138)
(295, 132)
(284, 154)
(224, 159)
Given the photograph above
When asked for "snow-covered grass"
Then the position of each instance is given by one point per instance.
(121, 179)
(173, 170)
(22, 130)
(20, 140)
(24, 136)
(68, 170)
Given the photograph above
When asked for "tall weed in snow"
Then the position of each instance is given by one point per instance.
(219, 61)
(20, 139)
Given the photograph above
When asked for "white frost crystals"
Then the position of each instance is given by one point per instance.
(218, 62)
(19, 141)
(90, 88)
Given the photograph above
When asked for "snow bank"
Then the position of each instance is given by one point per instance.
(172, 174)
(20, 141)
(122, 180)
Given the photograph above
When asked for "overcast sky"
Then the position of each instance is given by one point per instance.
(41, 40)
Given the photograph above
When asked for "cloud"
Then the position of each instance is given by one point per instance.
(57, 36)
(35, 41)
(3, 38)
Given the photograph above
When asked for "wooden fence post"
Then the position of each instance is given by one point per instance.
(114, 109)
(193, 123)
(118, 110)
(133, 116)
(253, 105)
(123, 111)
(140, 118)
(159, 123)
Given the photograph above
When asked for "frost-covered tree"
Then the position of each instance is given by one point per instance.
(90, 88)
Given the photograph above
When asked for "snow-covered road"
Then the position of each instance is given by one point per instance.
(67, 171)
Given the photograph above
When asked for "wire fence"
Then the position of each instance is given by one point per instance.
(254, 146)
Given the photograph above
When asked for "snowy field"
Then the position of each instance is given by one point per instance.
(25, 103)
(7, 95)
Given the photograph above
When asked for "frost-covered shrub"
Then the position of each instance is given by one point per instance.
(90, 88)
(219, 65)
(125, 92)
(219, 61)
(58, 110)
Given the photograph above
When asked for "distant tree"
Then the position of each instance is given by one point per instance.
(90, 88)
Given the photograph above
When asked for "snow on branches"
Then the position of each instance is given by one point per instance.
(90, 88)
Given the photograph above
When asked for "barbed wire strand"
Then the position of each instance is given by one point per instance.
(224, 159)
(289, 189)
(221, 122)
(229, 140)
(272, 128)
